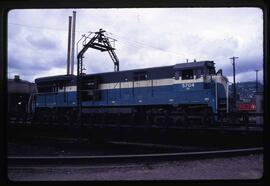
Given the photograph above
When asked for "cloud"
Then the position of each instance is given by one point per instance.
(42, 43)
(37, 44)
(247, 76)
(18, 64)
(37, 65)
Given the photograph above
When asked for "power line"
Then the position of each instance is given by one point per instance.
(145, 45)
(44, 28)
(37, 27)
(124, 39)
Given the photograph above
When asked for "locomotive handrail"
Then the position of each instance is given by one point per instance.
(43, 93)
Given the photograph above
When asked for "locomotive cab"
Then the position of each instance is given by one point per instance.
(202, 84)
(55, 91)
(56, 95)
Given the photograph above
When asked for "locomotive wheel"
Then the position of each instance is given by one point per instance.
(179, 122)
(42, 116)
(160, 120)
(222, 116)
(208, 119)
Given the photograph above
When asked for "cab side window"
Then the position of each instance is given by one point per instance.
(199, 73)
(187, 74)
(211, 70)
(140, 76)
(177, 74)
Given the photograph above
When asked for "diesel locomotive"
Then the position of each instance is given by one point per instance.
(183, 93)
(178, 94)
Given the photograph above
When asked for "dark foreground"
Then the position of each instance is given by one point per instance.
(241, 167)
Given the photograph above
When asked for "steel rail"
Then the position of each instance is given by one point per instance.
(86, 160)
(218, 125)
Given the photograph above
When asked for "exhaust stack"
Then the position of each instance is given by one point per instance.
(68, 51)
(73, 42)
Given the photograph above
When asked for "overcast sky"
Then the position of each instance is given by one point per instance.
(37, 39)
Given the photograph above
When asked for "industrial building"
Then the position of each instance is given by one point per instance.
(19, 92)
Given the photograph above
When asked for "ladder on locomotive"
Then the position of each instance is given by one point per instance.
(99, 42)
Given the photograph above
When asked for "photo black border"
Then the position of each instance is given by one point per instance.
(7, 5)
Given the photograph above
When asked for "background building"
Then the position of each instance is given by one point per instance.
(19, 92)
(246, 95)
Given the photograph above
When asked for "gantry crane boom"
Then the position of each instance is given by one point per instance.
(99, 42)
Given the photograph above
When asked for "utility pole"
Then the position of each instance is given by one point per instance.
(256, 79)
(234, 85)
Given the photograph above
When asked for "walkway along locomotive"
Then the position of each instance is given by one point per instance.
(184, 93)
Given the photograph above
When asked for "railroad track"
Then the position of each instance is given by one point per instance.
(91, 160)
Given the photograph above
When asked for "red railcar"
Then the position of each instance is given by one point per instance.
(251, 106)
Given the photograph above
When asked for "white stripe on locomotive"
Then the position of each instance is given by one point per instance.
(154, 83)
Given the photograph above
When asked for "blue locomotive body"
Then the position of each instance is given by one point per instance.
(181, 85)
